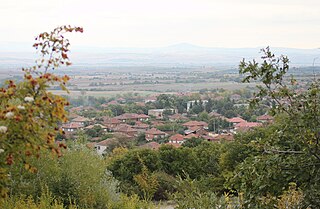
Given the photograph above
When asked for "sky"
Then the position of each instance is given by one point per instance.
(158, 23)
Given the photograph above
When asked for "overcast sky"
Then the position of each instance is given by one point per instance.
(154, 23)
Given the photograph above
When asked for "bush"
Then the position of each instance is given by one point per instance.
(78, 176)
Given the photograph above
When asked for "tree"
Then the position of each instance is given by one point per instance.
(290, 152)
(29, 114)
(209, 105)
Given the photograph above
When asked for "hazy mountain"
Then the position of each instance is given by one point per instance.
(15, 55)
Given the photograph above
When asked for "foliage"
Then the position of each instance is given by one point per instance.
(292, 198)
(29, 114)
(147, 182)
(79, 176)
(218, 124)
(193, 142)
(190, 196)
(165, 101)
(289, 150)
(170, 127)
(46, 200)
(166, 164)
(127, 165)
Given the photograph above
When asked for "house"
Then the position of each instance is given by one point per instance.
(157, 113)
(102, 146)
(111, 123)
(70, 128)
(244, 126)
(72, 115)
(126, 129)
(177, 138)
(208, 137)
(235, 120)
(154, 133)
(140, 127)
(177, 117)
(196, 124)
(265, 119)
(81, 120)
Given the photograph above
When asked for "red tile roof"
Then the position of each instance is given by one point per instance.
(247, 125)
(155, 131)
(178, 117)
(176, 137)
(124, 128)
(140, 125)
(143, 116)
(236, 120)
(195, 123)
(71, 125)
(112, 121)
(80, 119)
(190, 136)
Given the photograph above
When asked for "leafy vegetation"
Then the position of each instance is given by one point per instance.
(274, 166)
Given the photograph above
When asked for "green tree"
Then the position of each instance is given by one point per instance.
(290, 152)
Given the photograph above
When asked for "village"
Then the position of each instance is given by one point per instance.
(178, 120)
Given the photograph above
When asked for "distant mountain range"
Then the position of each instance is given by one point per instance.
(13, 55)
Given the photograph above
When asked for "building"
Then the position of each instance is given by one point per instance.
(196, 124)
(244, 126)
(81, 120)
(235, 120)
(158, 113)
(141, 127)
(154, 133)
(177, 117)
(111, 123)
(176, 139)
(71, 128)
(102, 146)
(126, 129)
